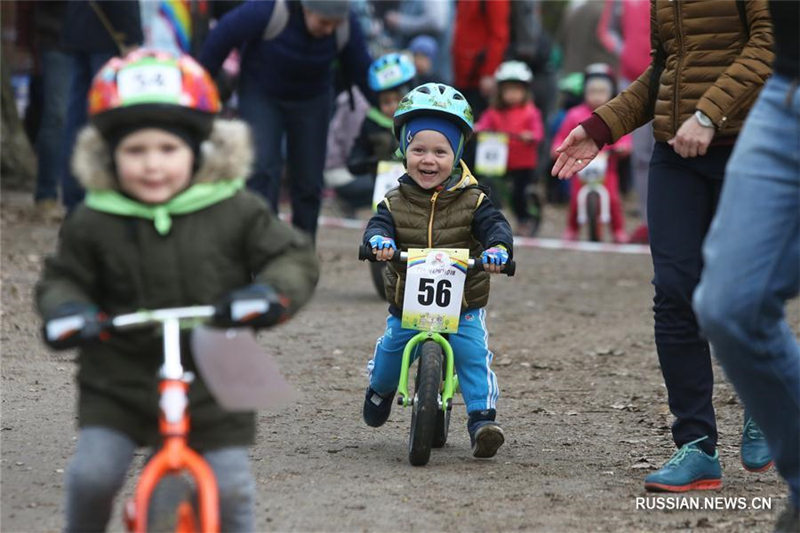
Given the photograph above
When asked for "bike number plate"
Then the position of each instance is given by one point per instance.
(434, 289)
(385, 180)
(595, 171)
(491, 154)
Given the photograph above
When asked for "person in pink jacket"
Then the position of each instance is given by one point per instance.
(514, 113)
(599, 86)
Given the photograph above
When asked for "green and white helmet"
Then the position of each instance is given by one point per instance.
(513, 71)
(435, 99)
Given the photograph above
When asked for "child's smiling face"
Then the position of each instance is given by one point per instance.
(153, 165)
(429, 159)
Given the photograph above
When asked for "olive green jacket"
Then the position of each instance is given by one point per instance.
(123, 264)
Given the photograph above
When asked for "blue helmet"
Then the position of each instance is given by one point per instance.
(390, 71)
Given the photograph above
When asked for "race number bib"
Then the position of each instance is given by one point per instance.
(595, 171)
(390, 75)
(434, 289)
(385, 180)
(491, 154)
(151, 81)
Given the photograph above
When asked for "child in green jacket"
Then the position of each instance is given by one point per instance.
(166, 223)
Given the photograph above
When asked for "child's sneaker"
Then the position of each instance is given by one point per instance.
(570, 235)
(690, 468)
(377, 408)
(485, 435)
(620, 237)
(756, 456)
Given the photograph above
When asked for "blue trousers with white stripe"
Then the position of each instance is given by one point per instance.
(473, 359)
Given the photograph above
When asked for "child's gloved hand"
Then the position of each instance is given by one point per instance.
(494, 258)
(73, 324)
(257, 306)
(382, 247)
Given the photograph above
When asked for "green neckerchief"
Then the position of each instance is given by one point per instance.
(193, 199)
(379, 118)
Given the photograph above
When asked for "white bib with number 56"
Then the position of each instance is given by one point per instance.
(434, 289)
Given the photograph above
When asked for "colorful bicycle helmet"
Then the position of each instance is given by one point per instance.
(513, 71)
(434, 99)
(149, 86)
(572, 83)
(390, 71)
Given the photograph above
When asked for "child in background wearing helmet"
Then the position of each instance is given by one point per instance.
(599, 86)
(514, 113)
(390, 77)
(166, 222)
(438, 204)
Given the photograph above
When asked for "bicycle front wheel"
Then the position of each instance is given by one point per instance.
(173, 507)
(426, 404)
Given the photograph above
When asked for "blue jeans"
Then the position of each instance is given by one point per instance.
(682, 198)
(473, 359)
(56, 74)
(98, 469)
(84, 67)
(752, 256)
(304, 124)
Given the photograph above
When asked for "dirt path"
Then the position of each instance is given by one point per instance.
(583, 407)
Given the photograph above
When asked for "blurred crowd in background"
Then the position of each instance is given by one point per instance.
(48, 45)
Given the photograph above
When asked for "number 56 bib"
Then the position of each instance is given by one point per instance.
(434, 289)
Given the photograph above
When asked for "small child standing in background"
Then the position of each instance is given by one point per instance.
(599, 86)
(425, 49)
(515, 114)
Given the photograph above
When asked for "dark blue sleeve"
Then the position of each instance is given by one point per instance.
(355, 60)
(491, 228)
(238, 26)
(381, 224)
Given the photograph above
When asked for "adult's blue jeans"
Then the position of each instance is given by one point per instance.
(56, 74)
(98, 470)
(304, 125)
(471, 352)
(752, 257)
(681, 201)
(84, 66)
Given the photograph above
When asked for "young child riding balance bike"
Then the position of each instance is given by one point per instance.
(438, 204)
(164, 224)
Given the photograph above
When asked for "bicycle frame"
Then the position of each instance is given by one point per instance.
(450, 379)
(175, 456)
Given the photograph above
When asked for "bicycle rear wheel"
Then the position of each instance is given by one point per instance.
(376, 270)
(426, 404)
(593, 216)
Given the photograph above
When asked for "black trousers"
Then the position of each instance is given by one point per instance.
(682, 199)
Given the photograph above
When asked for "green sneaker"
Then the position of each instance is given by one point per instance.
(756, 456)
(690, 468)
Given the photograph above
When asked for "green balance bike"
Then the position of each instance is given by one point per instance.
(435, 382)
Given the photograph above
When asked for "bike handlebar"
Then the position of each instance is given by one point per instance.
(365, 254)
(159, 316)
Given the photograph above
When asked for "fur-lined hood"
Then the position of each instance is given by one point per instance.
(225, 155)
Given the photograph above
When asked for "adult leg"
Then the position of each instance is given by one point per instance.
(307, 135)
(741, 309)
(266, 120)
(95, 474)
(56, 74)
(84, 67)
(237, 488)
(682, 199)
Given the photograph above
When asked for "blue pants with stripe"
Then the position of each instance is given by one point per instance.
(473, 359)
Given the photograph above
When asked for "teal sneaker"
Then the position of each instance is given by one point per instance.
(755, 452)
(690, 468)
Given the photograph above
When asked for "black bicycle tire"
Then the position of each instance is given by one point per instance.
(376, 271)
(426, 404)
(593, 216)
(162, 512)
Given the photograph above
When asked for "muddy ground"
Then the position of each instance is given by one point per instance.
(583, 407)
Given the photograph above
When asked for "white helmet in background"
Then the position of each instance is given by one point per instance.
(513, 71)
